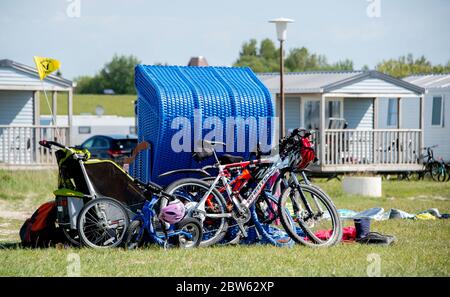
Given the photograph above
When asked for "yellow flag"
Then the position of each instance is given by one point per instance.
(45, 66)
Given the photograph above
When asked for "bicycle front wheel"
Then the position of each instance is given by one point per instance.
(193, 190)
(309, 216)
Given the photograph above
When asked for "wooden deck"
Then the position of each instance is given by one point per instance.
(350, 150)
(19, 145)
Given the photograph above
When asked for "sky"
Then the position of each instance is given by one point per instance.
(85, 34)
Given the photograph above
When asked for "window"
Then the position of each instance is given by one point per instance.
(84, 130)
(124, 144)
(312, 114)
(333, 109)
(392, 112)
(88, 143)
(436, 115)
(100, 142)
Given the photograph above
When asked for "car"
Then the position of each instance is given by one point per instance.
(110, 147)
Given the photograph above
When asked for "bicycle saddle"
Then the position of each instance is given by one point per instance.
(228, 159)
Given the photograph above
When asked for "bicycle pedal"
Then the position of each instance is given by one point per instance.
(244, 232)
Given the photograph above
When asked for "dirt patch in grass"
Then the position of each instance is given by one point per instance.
(7, 210)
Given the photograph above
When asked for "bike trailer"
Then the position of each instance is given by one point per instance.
(68, 205)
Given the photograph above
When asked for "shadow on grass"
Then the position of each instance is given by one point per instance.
(11, 246)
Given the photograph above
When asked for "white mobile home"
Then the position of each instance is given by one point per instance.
(85, 126)
(318, 100)
(436, 111)
(20, 128)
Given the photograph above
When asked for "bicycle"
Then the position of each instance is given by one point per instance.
(305, 209)
(436, 168)
(96, 198)
(187, 233)
(234, 180)
(242, 202)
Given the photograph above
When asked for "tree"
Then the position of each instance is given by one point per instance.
(249, 48)
(407, 65)
(268, 50)
(344, 65)
(262, 59)
(265, 58)
(89, 85)
(118, 74)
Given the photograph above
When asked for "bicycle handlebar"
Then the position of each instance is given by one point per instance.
(48, 144)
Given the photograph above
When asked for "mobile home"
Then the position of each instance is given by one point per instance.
(436, 111)
(20, 128)
(318, 100)
(85, 126)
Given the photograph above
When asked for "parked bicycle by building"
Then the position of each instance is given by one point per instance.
(221, 200)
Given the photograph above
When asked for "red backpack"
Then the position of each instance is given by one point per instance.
(40, 230)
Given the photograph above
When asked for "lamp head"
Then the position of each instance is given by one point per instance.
(281, 26)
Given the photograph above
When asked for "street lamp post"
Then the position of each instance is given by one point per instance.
(281, 27)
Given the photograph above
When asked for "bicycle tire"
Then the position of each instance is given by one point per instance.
(71, 235)
(134, 235)
(196, 228)
(222, 229)
(312, 242)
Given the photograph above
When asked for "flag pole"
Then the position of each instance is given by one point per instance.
(46, 66)
(58, 136)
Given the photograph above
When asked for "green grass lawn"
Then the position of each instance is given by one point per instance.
(423, 247)
(120, 105)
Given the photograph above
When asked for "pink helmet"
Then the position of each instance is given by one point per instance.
(173, 212)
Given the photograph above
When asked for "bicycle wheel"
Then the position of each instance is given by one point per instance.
(191, 189)
(265, 217)
(309, 216)
(192, 233)
(103, 223)
(135, 233)
(438, 172)
(72, 236)
(447, 168)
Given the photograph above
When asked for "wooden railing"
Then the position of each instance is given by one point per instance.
(378, 146)
(19, 144)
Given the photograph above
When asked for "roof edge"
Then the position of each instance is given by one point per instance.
(33, 71)
(374, 74)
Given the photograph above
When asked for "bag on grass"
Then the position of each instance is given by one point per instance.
(40, 230)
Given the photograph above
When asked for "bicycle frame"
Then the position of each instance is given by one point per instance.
(232, 192)
(146, 216)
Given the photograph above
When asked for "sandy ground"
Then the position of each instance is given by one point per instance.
(7, 213)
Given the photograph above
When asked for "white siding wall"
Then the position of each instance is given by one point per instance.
(438, 135)
(359, 113)
(410, 113)
(292, 112)
(373, 86)
(12, 77)
(16, 108)
(410, 107)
